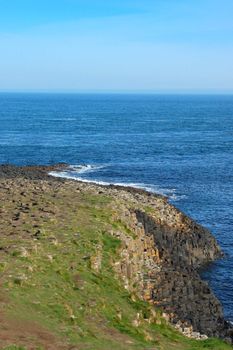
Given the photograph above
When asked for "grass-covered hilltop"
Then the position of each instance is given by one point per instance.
(88, 267)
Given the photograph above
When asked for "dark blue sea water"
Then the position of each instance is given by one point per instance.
(181, 146)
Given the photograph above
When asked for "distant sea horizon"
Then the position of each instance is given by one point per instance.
(121, 92)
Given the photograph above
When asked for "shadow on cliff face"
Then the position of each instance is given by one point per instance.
(177, 287)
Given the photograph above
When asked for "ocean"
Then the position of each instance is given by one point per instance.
(177, 145)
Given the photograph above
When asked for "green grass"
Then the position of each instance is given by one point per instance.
(56, 287)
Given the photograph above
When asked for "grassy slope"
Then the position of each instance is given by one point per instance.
(49, 280)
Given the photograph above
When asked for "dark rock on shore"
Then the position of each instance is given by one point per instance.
(8, 171)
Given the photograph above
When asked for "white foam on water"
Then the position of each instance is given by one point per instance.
(59, 119)
(65, 175)
(73, 172)
(85, 168)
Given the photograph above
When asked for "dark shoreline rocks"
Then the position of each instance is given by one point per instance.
(161, 266)
(30, 172)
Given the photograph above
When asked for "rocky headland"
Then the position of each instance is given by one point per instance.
(153, 251)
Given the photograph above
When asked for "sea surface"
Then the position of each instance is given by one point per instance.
(180, 146)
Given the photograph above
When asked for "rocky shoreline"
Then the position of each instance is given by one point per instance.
(159, 258)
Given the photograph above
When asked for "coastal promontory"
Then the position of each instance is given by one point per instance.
(85, 266)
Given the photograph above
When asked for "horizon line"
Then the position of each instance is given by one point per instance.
(120, 92)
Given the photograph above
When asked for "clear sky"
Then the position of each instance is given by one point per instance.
(116, 45)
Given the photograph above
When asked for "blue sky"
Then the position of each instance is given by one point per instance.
(116, 45)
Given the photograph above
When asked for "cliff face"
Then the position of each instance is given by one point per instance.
(177, 287)
(161, 265)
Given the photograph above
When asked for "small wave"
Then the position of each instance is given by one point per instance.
(68, 175)
(146, 187)
(177, 197)
(85, 168)
(59, 119)
(73, 172)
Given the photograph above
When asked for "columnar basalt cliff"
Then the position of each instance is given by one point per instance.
(174, 284)
(161, 249)
(160, 264)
